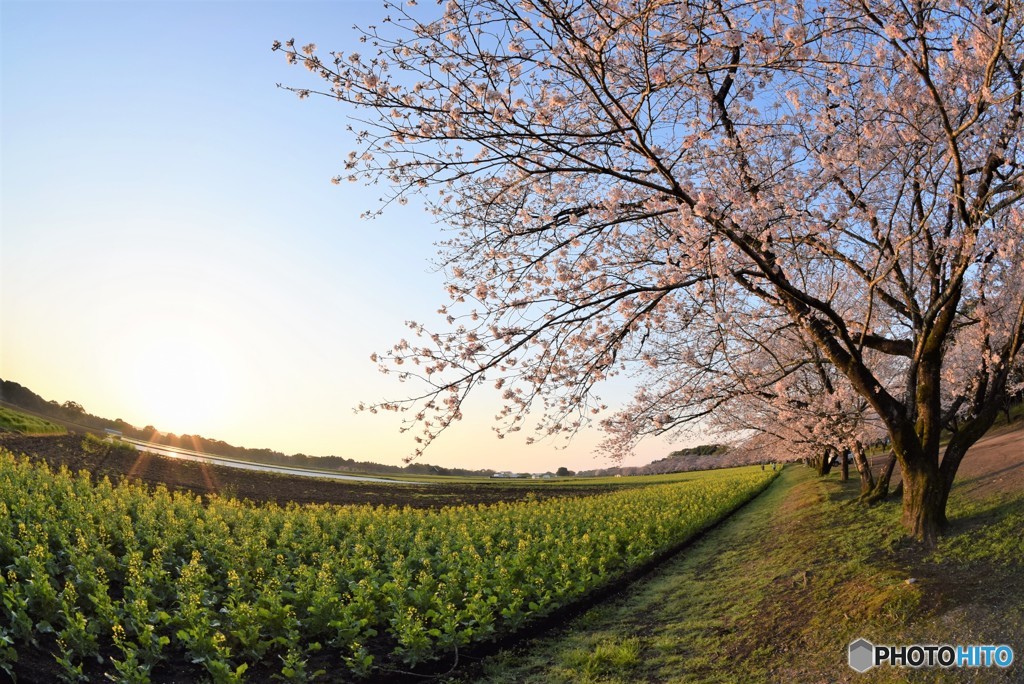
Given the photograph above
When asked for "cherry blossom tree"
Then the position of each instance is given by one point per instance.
(813, 418)
(617, 174)
(812, 413)
(763, 382)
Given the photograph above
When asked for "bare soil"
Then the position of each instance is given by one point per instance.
(210, 479)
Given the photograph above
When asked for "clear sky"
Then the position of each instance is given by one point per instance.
(172, 251)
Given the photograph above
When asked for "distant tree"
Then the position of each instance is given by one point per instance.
(702, 450)
(618, 173)
(564, 472)
(807, 408)
(73, 407)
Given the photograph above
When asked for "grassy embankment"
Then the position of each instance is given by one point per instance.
(780, 589)
(16, 421)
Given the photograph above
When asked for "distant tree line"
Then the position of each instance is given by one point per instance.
(74, 415)
(702, 450)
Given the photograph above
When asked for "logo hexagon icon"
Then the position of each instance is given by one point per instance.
(862, 655)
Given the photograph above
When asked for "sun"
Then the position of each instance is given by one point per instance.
(181, 383)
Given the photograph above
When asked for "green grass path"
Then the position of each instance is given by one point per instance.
(776, 593)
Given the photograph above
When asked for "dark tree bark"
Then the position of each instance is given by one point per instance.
(924, 504)
(880, 490)
(823, 463)
(867, 478)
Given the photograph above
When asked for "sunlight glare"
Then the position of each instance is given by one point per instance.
(180, 381)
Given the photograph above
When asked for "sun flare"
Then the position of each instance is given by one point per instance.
(180, 382)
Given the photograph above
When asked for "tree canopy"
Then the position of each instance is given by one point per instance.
(676, 184)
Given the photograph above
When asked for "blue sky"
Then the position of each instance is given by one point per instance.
(173, 252)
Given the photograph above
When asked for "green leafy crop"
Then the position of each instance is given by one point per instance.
(160, 578)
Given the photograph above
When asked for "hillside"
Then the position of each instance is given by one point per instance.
(704, 457)
(73, 416)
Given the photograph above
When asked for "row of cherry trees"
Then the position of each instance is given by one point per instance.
(798, 218)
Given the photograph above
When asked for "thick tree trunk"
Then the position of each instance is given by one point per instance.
(924, 504)
(881, 486)
(867, 478)
(845, 463)
(957, 447)
(824, 463)
(927, 483)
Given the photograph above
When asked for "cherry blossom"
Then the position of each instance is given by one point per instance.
(652, 188)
